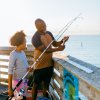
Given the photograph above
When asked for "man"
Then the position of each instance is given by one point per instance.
(43, 70)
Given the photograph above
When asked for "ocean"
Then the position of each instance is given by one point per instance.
(83, 47)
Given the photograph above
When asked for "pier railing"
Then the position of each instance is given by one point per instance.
(4, 60)
(72, 79)
(75, 79)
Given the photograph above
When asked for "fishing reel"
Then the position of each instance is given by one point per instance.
(21, 92)
(19, 96)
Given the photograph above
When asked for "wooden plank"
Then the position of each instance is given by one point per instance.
(30, 59)
(51, 90)
(3, 66)
(80, 66)
(59, 90)
(4, 60)
(30, 47)
(29, 53)
(4, 80)
(88, 91)
(59, 80)
(1, 72)
(5, 52)
(59, 68)
(56, 66)
(7, 48)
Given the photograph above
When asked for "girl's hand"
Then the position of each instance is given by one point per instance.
(10, 92)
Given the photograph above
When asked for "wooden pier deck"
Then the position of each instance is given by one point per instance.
(71, 78)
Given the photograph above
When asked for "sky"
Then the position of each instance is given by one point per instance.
(16, 15)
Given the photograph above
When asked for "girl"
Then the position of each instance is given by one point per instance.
(18, 64)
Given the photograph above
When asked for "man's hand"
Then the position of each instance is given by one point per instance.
(65, 39)
(61, 48)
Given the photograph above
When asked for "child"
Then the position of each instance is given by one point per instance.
(18, 64)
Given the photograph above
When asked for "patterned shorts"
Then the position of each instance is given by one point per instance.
(22, 85)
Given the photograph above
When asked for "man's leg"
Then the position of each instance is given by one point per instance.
(46, 80)
(37, 80)
(24, 98)
(34, 91)
(45, 89)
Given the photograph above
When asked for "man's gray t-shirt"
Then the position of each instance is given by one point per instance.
(36, 39)
(46, 58)
(18, 64)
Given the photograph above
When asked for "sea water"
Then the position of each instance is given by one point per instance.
(85, 47)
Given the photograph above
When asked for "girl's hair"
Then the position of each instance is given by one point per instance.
(17, 39)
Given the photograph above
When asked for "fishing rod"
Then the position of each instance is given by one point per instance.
(63, 30)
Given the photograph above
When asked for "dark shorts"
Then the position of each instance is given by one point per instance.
(44, 74)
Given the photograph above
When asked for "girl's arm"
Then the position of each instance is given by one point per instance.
(10, 84)
(12, 61)
(10, 81)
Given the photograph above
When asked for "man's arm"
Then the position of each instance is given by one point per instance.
(56, 44)
(50, 50)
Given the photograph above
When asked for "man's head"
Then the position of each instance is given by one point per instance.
(40, 25)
